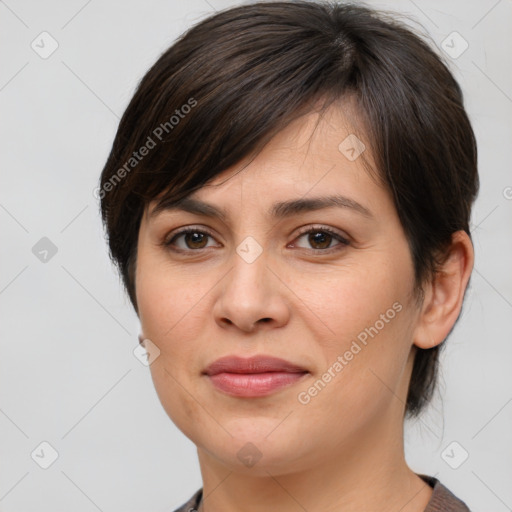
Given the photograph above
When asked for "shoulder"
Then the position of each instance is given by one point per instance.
(442, 500)
(192, 504)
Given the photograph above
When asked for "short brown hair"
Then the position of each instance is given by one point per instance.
(232, 81)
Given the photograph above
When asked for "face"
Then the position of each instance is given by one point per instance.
(327, 288)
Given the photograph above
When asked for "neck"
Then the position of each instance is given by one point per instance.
(367, 472)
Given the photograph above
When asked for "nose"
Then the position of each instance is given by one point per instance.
(252, 297)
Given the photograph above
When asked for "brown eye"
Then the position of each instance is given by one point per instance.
(195, 240)
(189, 239)
(321, 240)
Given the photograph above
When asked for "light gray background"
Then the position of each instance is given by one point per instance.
(67, 369)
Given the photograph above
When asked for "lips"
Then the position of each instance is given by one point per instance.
(253, 377)
(256, 364)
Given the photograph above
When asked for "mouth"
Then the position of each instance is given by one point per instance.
(253, 377)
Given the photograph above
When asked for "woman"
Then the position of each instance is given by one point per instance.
(288, 199)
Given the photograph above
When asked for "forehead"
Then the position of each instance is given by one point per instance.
(320, 159)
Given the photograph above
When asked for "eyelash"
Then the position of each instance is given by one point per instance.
(343, 242)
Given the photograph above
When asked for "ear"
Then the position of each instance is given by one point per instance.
(444, 294)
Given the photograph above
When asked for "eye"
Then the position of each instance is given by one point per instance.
(189, 239)
(319, 239)
(322, 238)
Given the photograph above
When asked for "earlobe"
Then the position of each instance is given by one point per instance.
(443, 300)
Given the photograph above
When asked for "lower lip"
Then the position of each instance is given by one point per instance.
(254, 384)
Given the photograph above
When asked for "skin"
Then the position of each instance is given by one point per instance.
(304, 301)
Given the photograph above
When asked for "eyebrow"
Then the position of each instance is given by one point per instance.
(278, 210)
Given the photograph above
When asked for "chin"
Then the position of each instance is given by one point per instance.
(257, 453)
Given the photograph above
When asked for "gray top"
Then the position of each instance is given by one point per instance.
(442, 500)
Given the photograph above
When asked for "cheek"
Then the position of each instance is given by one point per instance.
(370, 317)
(364, 375)
(169, 299)
(179, 399)
(171, 314)
(348, 302)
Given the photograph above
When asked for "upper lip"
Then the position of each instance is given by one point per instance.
(255, 364)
